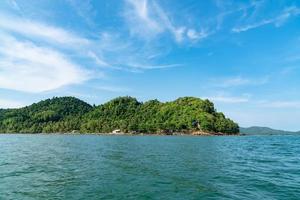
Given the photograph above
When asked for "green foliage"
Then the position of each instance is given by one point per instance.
(65, 114)
(129, 115)
(51, 115)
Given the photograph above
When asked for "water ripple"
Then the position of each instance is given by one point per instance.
(149, 167)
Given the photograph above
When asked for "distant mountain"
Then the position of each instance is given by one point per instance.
(256, 130)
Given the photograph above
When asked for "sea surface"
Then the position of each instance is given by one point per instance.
(149, 167)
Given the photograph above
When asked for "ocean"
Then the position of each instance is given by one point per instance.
(149, 167)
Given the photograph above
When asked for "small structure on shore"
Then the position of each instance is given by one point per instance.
(116, 131)
(74, 131)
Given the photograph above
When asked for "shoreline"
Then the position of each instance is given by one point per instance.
(125, 134)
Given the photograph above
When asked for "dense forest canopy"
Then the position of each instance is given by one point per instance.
(66, 114)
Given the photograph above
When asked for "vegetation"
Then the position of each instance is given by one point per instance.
(256, 130)
(52, 115)
(66, 114)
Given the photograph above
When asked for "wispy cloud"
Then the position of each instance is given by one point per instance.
(228, 9)
(194, 35)
(113, 89)
(240, 81)
(142, 22)
(14, 4)
(36, 57)
(233, 82)
(177, 32)
(142, 66)
(277, 20)
(100, 61)
(109, 50)
(148, 19)
(113, 52)
(45, 32)
(27, 67)
(84, 9)
(228, 99)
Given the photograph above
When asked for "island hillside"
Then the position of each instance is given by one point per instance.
(257, 130)
(188, 115)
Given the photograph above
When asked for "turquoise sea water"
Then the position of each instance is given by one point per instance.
(149, 167)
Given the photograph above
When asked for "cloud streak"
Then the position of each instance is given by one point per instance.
(27, 67)
(36, 57)
(228, 99)
(114, 89)
(147, 20)
(241, 81)
(42, 31)
(277, 21)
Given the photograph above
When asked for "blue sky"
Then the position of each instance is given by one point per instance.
(242, 55)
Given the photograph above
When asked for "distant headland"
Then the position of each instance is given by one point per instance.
(185, 115)
(257, 130)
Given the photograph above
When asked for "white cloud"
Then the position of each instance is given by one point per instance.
(178, 32)
(39, 30)
(98, 60)
(32, 61)
(236, 81)
(143, 66)
(194, 35)
(141, 22)
(228, 99)
(191, 33)
(113, 52)
(27, 67)
(147, 19)
(240, 81)
(112, 89)
(277, 21)
(252, 26)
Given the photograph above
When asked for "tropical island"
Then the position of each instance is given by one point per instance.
(186, 115)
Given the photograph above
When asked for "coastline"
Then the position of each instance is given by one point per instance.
(129, 134)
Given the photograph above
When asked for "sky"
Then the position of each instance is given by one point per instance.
(242, 55)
